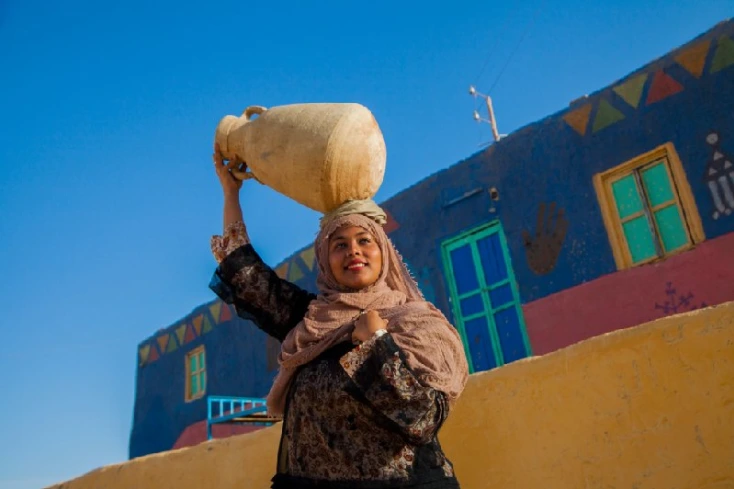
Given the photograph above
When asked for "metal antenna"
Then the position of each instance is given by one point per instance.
(490, 111)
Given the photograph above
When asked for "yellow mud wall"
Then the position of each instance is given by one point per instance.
(650, 407)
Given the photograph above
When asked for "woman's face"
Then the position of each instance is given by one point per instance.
(355, 257)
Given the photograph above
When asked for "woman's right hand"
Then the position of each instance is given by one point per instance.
(230, 184)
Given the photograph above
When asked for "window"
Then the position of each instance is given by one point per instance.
(484, 297)
(648, 208)
(195, 374)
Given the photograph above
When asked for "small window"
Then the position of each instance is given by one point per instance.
(195, 374)
(648, 208)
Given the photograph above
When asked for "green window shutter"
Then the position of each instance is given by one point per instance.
(670, 226)
(640, 240)
(627, 197)
(657, 184)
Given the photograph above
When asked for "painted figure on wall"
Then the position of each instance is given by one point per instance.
(543, 248)
(720, 177)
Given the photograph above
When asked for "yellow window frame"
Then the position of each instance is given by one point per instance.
(683, 199)
(200, 370)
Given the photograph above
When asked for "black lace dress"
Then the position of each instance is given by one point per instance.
(356, 417)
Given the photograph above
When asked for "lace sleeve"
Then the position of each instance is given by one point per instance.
(258, 294)
(234, 236)
(381, 376)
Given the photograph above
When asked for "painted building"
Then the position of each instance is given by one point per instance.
(611, 213)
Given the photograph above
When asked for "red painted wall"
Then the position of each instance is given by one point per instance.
(196, 433)
(700, 277)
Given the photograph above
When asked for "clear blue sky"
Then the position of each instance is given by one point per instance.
(107, 194)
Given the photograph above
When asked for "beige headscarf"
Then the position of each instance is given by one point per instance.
(432, 347)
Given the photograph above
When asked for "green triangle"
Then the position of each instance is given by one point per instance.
(724, 54)
(606, 115)
(631, 90)
(206, 326)
(172, 345)
(295, 273)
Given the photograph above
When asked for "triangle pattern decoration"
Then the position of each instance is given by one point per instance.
(606, 115)
(172, 344)
(197, 324)
(663, 86)
(215, 308)
(206, 326)
(163, 341)
(190, 335)
(181, 333)
(693, 59)
(631, 90)
(579, 118)
(144, 352)
(282, 271)
(153, 356)
(309, 257)
(295, 273)
(724, 55)
(226, 314)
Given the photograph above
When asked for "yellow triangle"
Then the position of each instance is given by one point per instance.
(215, 309)
(308, 255)
(180, 333)
(144, 351)
(295, 272)
(197, 324)
(282, 270)
(578, 119)
(724, 55)
(631, 90)
(693, 59)
(162, 342)
(207, 326)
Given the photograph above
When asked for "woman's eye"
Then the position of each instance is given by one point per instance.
(365, 241)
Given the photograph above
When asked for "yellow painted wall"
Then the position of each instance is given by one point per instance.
(650, 407)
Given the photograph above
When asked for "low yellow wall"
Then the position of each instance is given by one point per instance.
(647, 407)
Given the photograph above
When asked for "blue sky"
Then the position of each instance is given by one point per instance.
(107, 194)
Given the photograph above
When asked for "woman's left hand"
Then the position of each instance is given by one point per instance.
(366, 325)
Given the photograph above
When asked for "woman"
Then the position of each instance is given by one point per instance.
(368, 368)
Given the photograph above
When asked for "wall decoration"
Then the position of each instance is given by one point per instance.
(391, 224)
(677, 302)
(181, 333)
(631, 90)
(214, 308)
(153, 355)
(724, 55)
(719, 177)
(663, 86)
(172, 344)
(295, 273)
(226, 314)
(190, 335)
(542, 248)
(206, 325)
(144, 351)
(606, 115)
(693, 59)
(163, 342)
(309, 257)
(282, 271)
(578, 119)
(197, 323)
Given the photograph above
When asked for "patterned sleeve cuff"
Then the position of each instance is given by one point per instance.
(235, 236)
(356, 357)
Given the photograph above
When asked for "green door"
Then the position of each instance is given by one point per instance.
(484, 297)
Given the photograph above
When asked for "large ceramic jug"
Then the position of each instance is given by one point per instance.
(319, 155)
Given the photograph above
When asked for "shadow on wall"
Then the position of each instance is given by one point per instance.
(647, 407)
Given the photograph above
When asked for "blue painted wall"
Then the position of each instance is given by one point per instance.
(545, 162)
(236, 365)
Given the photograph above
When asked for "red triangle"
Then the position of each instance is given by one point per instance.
(190, 335)
(391, 224)
(153, 356)
(662, 86)
(226, 314)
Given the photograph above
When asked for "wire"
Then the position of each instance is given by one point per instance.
(517, 46)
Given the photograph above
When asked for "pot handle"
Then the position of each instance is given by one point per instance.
(253, 109)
